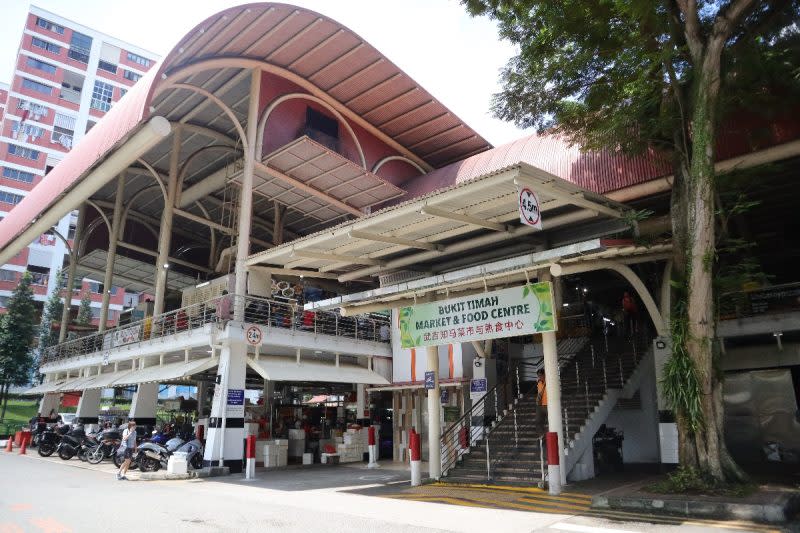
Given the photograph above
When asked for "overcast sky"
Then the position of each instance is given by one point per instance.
(455, 57)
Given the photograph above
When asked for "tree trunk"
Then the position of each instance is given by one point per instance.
(5, 388)
(706, 448)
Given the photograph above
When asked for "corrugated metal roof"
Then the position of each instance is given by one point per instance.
(599, 172)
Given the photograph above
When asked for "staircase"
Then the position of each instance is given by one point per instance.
(497, 440)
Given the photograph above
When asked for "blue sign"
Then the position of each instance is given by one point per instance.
(235, 396)
(430, 379)
(445, 396)
(477, 385)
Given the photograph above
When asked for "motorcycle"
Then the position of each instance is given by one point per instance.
(194, 453)
(73, 443)
(153, 456)
(50, 440)
(107, 447)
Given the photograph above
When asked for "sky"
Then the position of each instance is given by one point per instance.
(455, 57)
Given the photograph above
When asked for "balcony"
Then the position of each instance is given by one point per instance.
(274, 315)
(70, 95)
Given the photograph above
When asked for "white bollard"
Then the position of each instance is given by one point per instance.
(554, 479)
(373, 456)
(416, 473)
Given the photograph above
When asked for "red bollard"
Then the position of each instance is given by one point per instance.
(250, 454)
(416, 463)
(462, 438)
(199, 432)
(371, 436)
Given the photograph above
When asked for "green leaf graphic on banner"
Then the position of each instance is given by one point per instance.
(525, 291)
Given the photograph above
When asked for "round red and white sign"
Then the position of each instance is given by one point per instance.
(529, 212)
(254, 335)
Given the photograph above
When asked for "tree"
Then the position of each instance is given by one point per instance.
(637, 75)
(52, 312)
(16, 336)
(85, 310)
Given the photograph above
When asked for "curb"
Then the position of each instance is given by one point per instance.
(783, 508)
(164, 476)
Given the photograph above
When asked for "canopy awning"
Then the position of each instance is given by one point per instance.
(457, 220)
(43, 388)
(129, 273)
(77, 384)
(104, 381)
(165, 373)
(285, 369)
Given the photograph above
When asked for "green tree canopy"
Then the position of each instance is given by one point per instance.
(85, 310)
(638, 74)
(17, 328)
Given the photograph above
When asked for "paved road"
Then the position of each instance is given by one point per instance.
(57, 497)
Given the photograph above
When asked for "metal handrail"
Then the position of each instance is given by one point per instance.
(219, 310)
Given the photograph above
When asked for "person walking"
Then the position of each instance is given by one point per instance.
(630, 313)
(129, 441)
(541, 402)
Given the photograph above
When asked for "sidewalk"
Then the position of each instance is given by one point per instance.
(772, 502)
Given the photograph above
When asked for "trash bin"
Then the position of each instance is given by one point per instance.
(178, 463)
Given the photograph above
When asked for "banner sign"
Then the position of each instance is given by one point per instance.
(505, 313)
(127, 335)
(530, 212)
(477, 388)
(430, 380)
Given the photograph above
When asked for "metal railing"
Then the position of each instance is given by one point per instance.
(261, 311)
(478, 421)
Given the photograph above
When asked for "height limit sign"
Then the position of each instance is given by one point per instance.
(529, 209)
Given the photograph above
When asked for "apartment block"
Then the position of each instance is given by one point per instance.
(66, 77)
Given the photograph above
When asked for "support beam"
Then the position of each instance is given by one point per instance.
(553, 387)
(294, 272)
(457, 217)
(246, 198)
(309, 189)
(73, 264)
(577, 198)
(280, 217)
(355, 234)
(122, 280)
(165, 237)
(111, 255)
(166, 260)
(353, 260)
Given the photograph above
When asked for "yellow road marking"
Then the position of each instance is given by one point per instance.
(501, 488)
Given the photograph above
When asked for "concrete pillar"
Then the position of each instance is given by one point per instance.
(225, 437)
(361, 400)
(73, 264)
(165, 229)
(50, 402)
(554, 421)
(112, 252)
(201, 395)
(143, 407)
(246, 199)
(269, 392)
(434, 415)
(88, 406)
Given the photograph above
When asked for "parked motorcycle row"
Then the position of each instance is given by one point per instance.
(152, 454)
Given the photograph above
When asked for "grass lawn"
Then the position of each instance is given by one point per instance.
(20, 411)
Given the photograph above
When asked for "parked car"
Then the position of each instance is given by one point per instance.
(67, 418)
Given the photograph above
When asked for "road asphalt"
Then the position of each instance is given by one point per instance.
(52, 496)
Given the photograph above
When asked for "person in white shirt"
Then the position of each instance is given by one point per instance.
(129, 442)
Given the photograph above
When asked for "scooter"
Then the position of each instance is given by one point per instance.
(109, 442)
(153, 456)
(194, 453)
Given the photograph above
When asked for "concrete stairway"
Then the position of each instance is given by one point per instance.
(591, 383)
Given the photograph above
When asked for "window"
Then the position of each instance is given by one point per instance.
(21, 151)
(108, 67)
(41, 65)
(10, 198)
(130, 75)
(63, 137)
(45, 45)
(46, 24)
(97, 288)
(101, 96)
(26, 132)
(36, 86)
(18, 175)
(138, 59)
(79, 47)
(34, 111)
(123, 92)
(7, 275)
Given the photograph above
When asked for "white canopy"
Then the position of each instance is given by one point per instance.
(286, 369)
(164, 373)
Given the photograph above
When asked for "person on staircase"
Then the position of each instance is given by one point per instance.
(541, 402)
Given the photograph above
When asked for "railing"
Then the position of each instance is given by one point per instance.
(78, 53)
(783, 298)
(478, 421)
(69, 95)
(269, 313)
